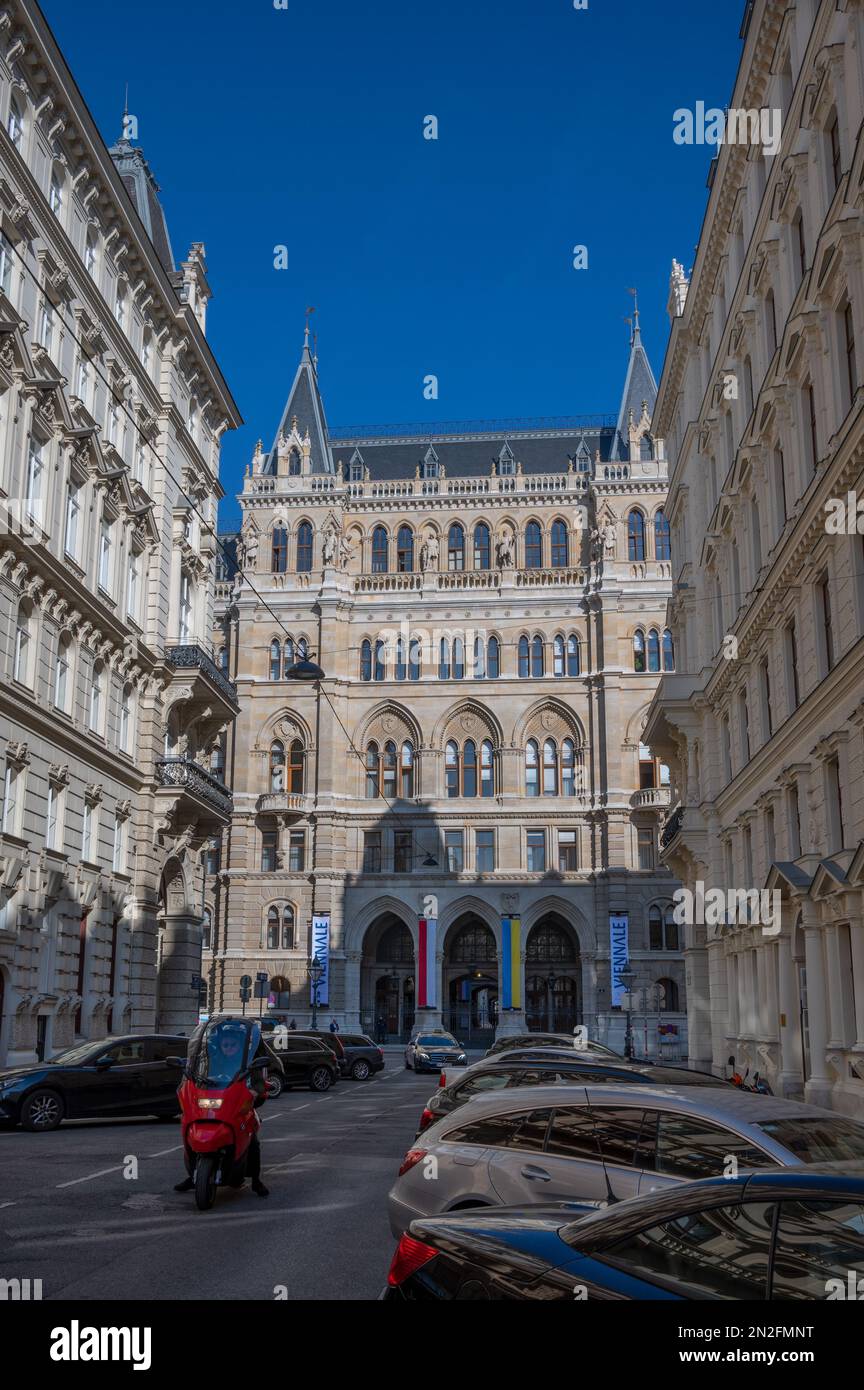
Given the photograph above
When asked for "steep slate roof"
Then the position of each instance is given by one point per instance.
(468, 455)
(640, 386)
(143, 189)
(305, 402)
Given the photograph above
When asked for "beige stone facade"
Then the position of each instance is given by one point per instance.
(112, 411)
(762, 409)
(475, 599)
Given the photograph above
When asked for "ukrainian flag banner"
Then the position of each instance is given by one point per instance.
(511, 962)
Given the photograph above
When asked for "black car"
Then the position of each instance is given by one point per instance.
(786, 1235)
(304, 1060)
(332, 1041)
(363, 1057)
(543, 1068)
(117, 1076)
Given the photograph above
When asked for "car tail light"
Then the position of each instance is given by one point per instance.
(427, 1118)
(410, 1256)
(381, 1050)
(413, 1156)
(442, 1079)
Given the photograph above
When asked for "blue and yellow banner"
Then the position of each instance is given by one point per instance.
(511, 962)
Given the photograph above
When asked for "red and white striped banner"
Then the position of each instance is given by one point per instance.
(426, 972)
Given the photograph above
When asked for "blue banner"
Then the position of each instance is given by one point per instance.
(619, 954)
(321, 949)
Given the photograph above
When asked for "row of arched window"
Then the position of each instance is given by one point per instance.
(637, 536)
(485, 658)
(647, 650)
(305, 553)
(284, 656)
(551, 769)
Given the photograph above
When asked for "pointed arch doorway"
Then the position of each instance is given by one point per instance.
(470, 981)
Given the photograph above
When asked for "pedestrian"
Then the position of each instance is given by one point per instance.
(334, 1026)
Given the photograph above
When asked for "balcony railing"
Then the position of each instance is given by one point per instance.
(190, 658)
(651, 796)
(672, 827)
(274, 802)
(191, 777)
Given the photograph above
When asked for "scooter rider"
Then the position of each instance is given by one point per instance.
(223, 1064)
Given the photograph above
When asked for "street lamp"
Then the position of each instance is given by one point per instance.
(626, 978)
(304, 670)
(315, 970)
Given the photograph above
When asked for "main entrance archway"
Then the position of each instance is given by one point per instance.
(553, 977)
(387, 976)
(470, 981)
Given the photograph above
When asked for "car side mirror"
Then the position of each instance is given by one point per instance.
(177, 1063)
(104, 1062)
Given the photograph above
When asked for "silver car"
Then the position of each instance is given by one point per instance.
(551, 1144)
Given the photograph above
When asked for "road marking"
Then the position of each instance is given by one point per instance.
(90, 1176)
(7, 1204)
(161, 1152)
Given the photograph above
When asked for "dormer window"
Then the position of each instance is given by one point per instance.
(356, 472)
(294, 467)
(506, 463)
(430, 467)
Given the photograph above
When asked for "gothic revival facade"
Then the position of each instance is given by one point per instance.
(112, 409)
(463, 798)
(762, 408)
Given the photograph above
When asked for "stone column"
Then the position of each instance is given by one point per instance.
(836, 1036)
(698, 1006)
(790, 1079)
(181, 959)
(353, 1019)
(817, 1091)
(856, 932)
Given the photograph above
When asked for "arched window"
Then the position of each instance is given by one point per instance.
(296, 766)
(568, 768)
(279, 996)
(63, 673)
(366, 661)
(482, 546)
(406, 788)
(390, 770)
(487, 769)
(456, 547)
(287, 928)
(574, 656)
(127, 718)
(662, 930)
(415, 659)
(550, 767)
(302, 650)
(373, 772)
(97, 686)
(667, 991)
(668, 651)
(558, 657)
(275, 660)
(23, 634)
(662, 538)
(532, 769)
(524, 658)
(273, 929)
(405, 550)
(636, 535)
(458, 659)
(538, 660)
(288, 656)
(533, 546)
(479, 659)
(653, 650)
(444, 660)
(304, 548)
(280, 550)
(401, 658)
(451, 769)
(639, 650)
(560, 545)
(380, 660)
(493, 659)
(380, 551)
(469, 768)
(277, 766)
(295, 467)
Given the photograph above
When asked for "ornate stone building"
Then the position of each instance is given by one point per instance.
(463, 794)
(112, 410)
(763, 721)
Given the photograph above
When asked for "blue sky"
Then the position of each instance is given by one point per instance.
(304, 127)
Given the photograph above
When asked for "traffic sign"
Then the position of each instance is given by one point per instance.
(245, 981)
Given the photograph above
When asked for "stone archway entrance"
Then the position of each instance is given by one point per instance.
(470, 982)
(553, 977)
(387, 980)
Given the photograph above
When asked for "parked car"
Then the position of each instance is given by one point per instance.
(551, 1069)
(432, 1051)
(551, 1143)
(712, 1239)
(114, 1077)
(521, 1040)
(363, 1057)
(306, 1061)
(332, 1042)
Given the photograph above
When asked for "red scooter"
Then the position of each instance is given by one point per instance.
(218, 1096)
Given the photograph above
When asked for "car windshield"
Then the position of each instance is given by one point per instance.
(223, 1053)
(817, 1140)
(439, 1040)
(71, 1056)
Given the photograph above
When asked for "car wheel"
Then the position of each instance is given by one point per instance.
(274, 1087)
(205, 1181)
(322, 1079)
(41, 1111)
(360, 1070)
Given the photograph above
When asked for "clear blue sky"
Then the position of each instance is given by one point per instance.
(305, 127)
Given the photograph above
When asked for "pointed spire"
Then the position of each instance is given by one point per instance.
(640, 388)
(304, 412)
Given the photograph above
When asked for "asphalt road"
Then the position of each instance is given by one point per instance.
(73, 1214)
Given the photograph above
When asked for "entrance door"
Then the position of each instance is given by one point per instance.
(41, 1036)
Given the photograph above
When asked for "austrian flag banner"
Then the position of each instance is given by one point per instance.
(426, 973)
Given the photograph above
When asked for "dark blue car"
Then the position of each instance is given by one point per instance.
(784, 1235)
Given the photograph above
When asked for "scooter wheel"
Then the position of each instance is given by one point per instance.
(205, 1181)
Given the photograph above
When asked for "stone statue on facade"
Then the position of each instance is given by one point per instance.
(504, 551)
(247, 547)
(429, 552)
(346, 550)
(610, 540)
(330, 547)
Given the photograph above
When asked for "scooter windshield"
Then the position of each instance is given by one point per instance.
(222, 1055)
